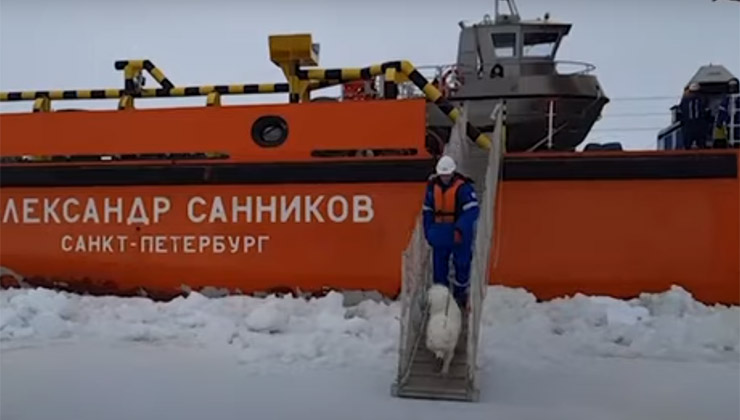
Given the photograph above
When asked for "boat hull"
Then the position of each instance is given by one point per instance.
(622, 225)
(611, 223)
(577, 102)
(246, 238)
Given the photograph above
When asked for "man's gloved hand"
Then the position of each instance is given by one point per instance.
(458, 236)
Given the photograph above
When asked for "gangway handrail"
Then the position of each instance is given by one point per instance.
(416, 269)
(733, 125)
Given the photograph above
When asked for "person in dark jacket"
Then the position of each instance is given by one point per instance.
(450, 214)
(696, 125)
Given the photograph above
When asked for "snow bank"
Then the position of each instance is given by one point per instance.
(323, 331)
(285, 330)
(670, 325)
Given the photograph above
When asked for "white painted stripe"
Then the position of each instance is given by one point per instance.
(470, 205)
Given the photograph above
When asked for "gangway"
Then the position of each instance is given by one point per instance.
(418, 374)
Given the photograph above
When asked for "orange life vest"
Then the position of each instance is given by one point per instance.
(445, 202)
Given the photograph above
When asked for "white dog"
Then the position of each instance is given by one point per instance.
(443, 328)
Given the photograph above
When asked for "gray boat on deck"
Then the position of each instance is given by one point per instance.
(514, 59)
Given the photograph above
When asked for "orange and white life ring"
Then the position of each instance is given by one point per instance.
(451, 80)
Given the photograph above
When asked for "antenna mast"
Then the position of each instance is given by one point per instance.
(513, 11)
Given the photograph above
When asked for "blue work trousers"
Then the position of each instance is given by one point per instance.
(462, 255)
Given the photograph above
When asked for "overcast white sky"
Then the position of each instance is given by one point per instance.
(641, 48)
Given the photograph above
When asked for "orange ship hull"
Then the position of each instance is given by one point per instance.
(189, 199)
(623, 237)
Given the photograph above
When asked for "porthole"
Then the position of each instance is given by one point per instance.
(270, 131)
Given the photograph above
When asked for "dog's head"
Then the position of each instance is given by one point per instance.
(438, 296)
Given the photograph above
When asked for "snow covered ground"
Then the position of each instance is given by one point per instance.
(65, 356)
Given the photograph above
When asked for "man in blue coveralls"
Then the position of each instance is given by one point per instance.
(450, 215)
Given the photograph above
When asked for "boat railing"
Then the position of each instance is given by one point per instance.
(733, 125)
(727, 132)
(446, 77)
(580, 67)
(451, 76)
(553, 127)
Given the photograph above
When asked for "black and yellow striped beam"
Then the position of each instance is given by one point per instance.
(226, 89)
(61, 94)
(159, 93)
(42, 105)
(221, 89)
(406, 68)
(390, 88)
(318, 78)
(147, 65)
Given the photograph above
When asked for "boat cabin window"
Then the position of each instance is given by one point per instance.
(540, 44)
(504, 44)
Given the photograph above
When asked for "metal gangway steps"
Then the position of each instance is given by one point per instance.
(418, 374)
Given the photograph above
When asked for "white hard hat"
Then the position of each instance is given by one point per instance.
(445, 166)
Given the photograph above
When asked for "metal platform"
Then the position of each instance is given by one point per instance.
(419, 372)
(426, 382)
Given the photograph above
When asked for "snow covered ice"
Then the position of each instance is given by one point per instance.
(69, 356)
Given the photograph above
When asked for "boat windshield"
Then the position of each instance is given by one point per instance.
(540, 44)
(504, 44)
